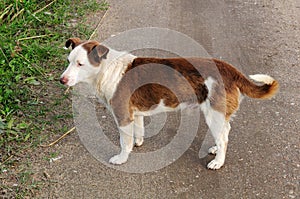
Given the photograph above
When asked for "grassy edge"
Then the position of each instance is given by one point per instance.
(21, 125)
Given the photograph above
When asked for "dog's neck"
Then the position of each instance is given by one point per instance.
(111, 71)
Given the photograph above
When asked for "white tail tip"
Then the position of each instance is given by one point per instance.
(262, 78)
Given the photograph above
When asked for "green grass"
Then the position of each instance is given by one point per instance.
(32, 34)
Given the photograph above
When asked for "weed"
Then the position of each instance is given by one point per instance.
(51, 155)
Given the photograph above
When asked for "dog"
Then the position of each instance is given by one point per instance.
(213, 85)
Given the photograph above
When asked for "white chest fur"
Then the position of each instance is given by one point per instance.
(110, 74)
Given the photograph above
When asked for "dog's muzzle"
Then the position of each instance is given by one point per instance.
(64, 80)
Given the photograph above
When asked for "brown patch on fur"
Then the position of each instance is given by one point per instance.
(264, 91)
(224, 97)
(95, 51)
(235, 83)
(171, 80)
(75, 41)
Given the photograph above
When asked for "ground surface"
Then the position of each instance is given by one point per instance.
(263, 154)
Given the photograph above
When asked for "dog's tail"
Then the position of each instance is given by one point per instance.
(267, 89)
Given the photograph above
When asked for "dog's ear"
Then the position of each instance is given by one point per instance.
(101, 51)
(96, 52)
(75, 41)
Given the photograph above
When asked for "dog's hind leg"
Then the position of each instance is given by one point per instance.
(139, 130)
(221, 140)
(126, 142)
(219, 127)
(226, 128)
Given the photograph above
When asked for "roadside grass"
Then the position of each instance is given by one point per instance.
(33, 104)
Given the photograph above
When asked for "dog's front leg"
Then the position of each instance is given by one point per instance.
(126, 142)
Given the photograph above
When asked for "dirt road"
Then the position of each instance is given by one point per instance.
(263, 154)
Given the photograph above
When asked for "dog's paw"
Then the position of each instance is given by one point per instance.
(118, 159)
(139, 141)
(213, 150)
(215, 164)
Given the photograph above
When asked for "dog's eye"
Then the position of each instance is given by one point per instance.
(79, 64)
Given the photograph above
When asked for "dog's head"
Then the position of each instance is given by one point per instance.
(84, 61)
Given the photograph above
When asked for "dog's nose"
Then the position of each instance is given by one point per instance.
(63, 80)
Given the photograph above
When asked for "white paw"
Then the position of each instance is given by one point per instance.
(119, 159)
(139, 141)
(213, 150)
(215, 164)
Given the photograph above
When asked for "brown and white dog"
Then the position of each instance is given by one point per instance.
(213, 85)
